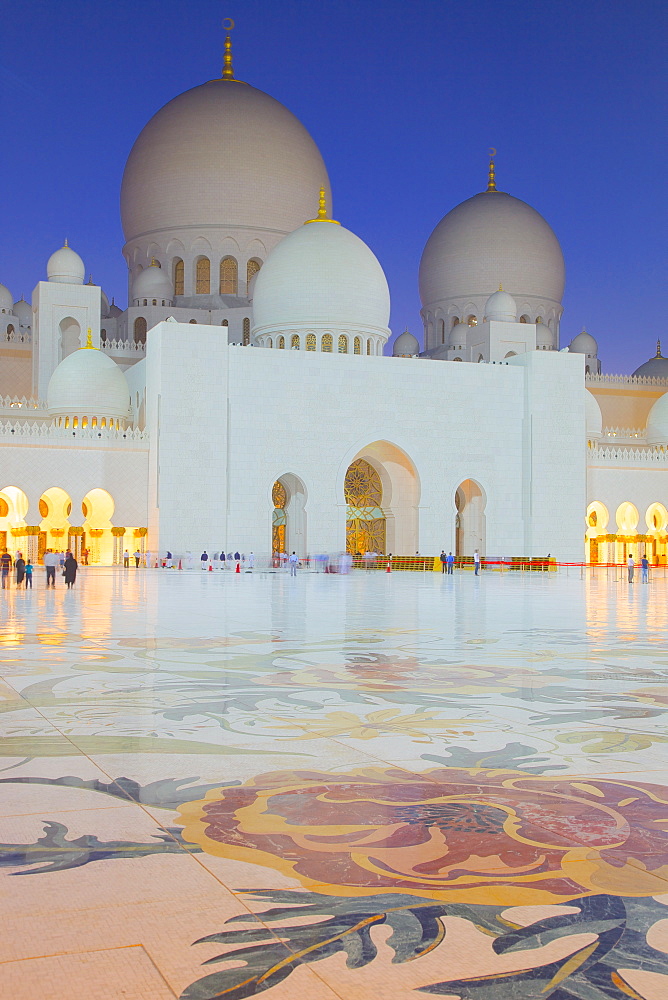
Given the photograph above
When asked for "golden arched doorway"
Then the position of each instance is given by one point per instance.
(365, 518)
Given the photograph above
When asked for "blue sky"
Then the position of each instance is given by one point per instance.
(403, 99)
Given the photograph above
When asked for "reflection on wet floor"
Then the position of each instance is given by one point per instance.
(343, 786)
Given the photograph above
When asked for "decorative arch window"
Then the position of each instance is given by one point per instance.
(252, 267)
(225, 322)
(311, 342)
(343, 344)
(10, 331)
(203, 276)
(472, 320)
(368, 346)
(357, 345)
(246, 330)
(456, 359)
(525, 319)
(441, 330)
(229, 276)
(178, 274)
(155, 302)
(145, 302)
(270, 342)
(294, 342)
(140, 330)
(454, 321)
(327, 343)
(281, 343)
(193, 321)
(539, 320)
(103, 336)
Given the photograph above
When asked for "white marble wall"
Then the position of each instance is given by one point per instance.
(311, 415)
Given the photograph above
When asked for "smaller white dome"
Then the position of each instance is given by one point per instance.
(657, 422)
(66, 266)
(584, 343)
(23, 310)
(152, 283)
(6, 300)
(321, 276)
(501, 307)
(459, 334)
(406, 345)
(593, 416)
(87, 383)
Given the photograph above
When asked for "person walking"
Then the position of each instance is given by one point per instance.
(137, 555)
(84, 557)
(168, 560)
(204, 559)
(630, 566)
(251, 561)
(71, 566)
(644, 569)
(147, 559)
(126, 559)
(293, 561)
(444, 561)
(28, 575)
(222, 560)
(476, 562)
(50, 562)
(5, 566)
(451, 564)
(20, 567)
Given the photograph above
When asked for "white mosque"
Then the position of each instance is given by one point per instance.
(244, 400)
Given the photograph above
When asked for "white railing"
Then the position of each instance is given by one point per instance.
(33, 431)
(612, 454)
(123, 346)
(22, 403)
(624, 380)
(626, 434)
(16, 337)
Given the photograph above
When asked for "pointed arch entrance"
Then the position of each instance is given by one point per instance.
(381, 489)
(288, 523)
(470, 502)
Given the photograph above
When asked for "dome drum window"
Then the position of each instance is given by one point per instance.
(246, 331)
(179, 276)
(311, 342)
(229, 276)
(203, 276)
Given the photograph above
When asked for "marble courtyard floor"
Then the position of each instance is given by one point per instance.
(334, 787)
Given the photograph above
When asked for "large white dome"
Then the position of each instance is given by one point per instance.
(88, 383)
(221, 155)
(489, 240)
(325, 277)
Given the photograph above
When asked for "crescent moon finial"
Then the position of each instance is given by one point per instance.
(492, 152)
(228, 24)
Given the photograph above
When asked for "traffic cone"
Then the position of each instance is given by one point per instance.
(238, 569)
(180, 566)
(210, 568)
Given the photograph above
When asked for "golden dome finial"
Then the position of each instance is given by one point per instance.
(658, 349)
(65, 244)
(322, 210)
(228, 69)
(500, 288)
(491, 177)
(89, 340)
(154, 262)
